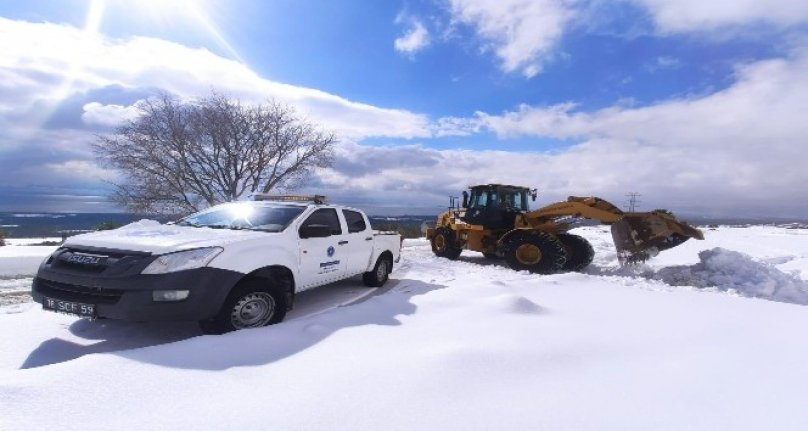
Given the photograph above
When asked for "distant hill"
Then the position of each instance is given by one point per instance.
(34, 225)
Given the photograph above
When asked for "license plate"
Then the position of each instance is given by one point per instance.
(69, 307)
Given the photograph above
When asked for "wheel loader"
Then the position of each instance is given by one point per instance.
(495, 219)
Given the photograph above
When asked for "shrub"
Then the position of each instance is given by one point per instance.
(407, 230)
(107, 225)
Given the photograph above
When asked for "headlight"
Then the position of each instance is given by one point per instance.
(182, 260)
(50, 257)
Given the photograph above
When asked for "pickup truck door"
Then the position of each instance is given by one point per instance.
(360, 242)
(322, 260)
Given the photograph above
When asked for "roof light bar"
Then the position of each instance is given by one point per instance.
(317, 199)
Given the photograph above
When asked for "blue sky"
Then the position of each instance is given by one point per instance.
(697, 105)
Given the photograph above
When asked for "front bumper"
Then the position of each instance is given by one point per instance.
(127, 294)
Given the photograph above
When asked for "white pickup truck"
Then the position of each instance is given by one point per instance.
(233, 266)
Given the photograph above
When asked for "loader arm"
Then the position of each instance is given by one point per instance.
(586, 207)
(637, 235)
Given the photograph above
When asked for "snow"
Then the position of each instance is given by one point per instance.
(154, 237)
(21, 261)
(32, 241)
(709, 335)
(142, 223)
(733, 271)
(18, 265)
(37, 215)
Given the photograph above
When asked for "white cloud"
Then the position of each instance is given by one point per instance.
(739, 149)
(700, 15)
(81, 168)
(107, 115)
(455, 126)
(44, 63)
(664, 62)
(762, 106)
(737, 152)
(414, 40)
(521, 33)
(742, 146)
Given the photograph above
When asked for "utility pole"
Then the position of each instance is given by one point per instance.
(633, 201)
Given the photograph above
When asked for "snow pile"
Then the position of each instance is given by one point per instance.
(513, 304)
(728, 270)
(142, 223)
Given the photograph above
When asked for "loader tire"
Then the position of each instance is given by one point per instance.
(444, 245)
(579, 251)
(537, 252)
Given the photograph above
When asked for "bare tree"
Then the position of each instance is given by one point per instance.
(180, 157)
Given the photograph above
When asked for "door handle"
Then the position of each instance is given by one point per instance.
(342, 242)
(370, 238)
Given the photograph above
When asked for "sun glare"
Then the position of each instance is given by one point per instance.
(155, 13)
(94, 14)
(241, 211)
(75, 67)
(166, 13)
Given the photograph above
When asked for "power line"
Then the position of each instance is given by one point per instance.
(633, 201)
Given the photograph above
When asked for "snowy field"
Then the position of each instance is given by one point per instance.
(707, 336)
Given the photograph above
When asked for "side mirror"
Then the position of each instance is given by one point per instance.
(465, 199)
(533, 194)
(315, 231)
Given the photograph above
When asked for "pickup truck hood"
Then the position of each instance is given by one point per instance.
(156, 238)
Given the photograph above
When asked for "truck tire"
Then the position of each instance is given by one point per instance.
(251, 304)
(444, 245)
(579, 251)
(537, 252)
(380, 273)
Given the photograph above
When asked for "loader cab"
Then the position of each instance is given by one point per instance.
(495, 206)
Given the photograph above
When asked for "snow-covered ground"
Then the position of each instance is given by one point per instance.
(709, 335)
(18, 264)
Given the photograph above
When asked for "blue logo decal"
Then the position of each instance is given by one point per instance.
(330, 251)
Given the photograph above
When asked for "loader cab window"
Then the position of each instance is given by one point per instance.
(495, 207)
(514, 200)
(478, 199)
(511, 200)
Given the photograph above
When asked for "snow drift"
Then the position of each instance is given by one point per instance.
(728, 270)
(454, 345)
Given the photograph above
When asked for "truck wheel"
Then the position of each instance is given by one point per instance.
(251, 304)
(537, 252)
(443, 244)
(579, 251)
(380, 273)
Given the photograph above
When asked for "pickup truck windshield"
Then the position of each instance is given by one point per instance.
(244, 216)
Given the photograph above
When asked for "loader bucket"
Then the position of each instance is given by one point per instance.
(639, 236)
